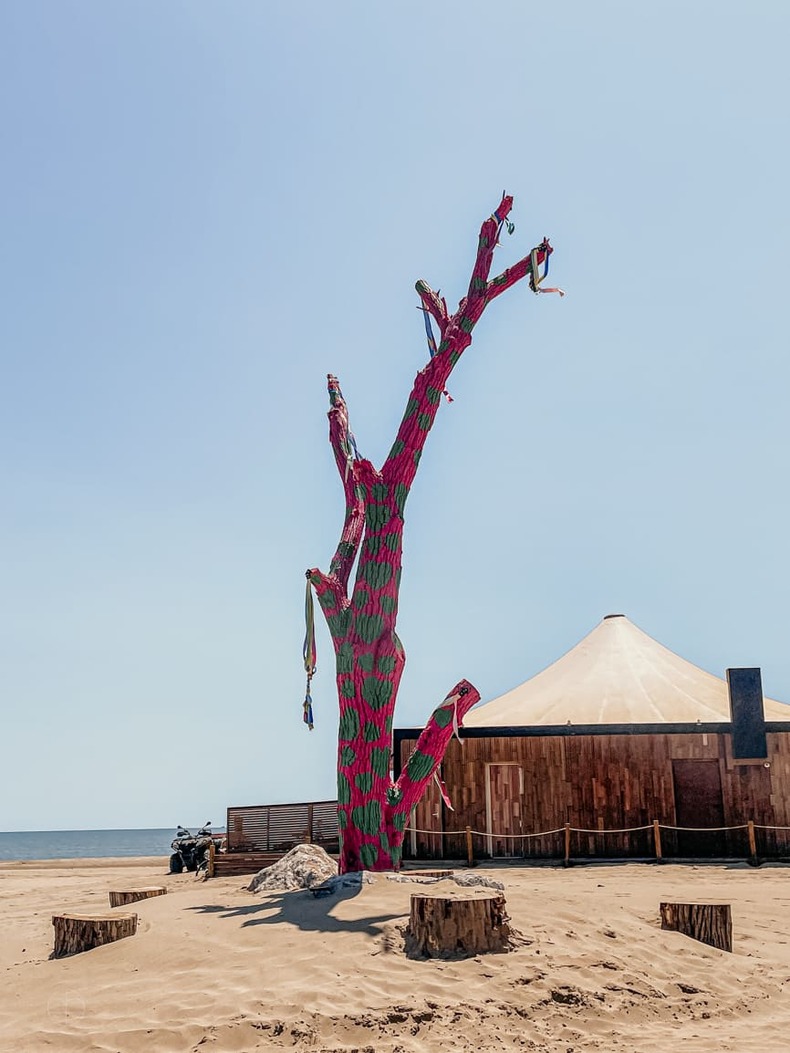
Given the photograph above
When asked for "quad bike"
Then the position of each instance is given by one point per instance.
(191, 851)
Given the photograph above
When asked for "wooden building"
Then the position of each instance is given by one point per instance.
(618, 733)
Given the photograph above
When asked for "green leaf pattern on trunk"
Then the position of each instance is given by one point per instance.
(419, 765)
(367, 817)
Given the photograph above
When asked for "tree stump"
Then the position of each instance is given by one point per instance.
(709, 923)
(75, 933)
(122, 897)
(440, 926)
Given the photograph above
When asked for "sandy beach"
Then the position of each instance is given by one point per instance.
(214, 967)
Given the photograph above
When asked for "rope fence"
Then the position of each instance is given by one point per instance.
(656, 826)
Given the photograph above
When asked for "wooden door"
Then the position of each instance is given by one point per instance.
(699, 804)
(504, 811)
(427, 823)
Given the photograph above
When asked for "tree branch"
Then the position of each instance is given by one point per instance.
(431, 745)
(329, 591)
(485, 253)
(426, 393)
(433, 304)
(348, 463)
(518, 270)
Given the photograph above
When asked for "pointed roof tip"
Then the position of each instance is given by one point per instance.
(625, 678)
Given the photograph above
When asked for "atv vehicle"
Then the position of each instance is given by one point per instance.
(191, 851)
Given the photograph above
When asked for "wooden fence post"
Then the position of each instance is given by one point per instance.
(309, 824)
(211, 853)
(657, 840)
(567, 862)
(752, 842)
(470, 854)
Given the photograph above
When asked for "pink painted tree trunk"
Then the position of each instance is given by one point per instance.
(372, 809)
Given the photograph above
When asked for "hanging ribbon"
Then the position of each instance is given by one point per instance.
(456, 726)
(349, 442)
(456, 729)
(443, 790)
(535, 278)
(308, 653)
(500, 220)
(428, 331)
(432, 343)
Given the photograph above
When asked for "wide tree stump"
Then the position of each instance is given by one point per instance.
(441, 926)
(709, 923)
(121, 897)
(75, 933)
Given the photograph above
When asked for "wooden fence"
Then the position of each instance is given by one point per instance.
(757, 842)
(260, 834)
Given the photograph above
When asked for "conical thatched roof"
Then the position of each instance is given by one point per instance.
(616, 675)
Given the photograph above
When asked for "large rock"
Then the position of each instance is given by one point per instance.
(302, 867)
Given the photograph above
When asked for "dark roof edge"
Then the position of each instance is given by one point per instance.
(545, 730)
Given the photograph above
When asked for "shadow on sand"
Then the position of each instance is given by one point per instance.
(303, 910)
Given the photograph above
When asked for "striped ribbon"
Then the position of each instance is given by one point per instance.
(309, 654)
(349, 443)
(432, 343)
(535, 278)
(499, 220)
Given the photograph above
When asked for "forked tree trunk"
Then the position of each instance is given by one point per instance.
(372, 809)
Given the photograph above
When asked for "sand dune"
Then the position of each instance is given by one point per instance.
(216, 968)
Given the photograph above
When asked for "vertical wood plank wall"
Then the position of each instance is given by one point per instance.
(597, 782)
(426, 817)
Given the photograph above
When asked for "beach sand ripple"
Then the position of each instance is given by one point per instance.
(214, 968)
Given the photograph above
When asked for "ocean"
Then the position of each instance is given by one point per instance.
(85, 844)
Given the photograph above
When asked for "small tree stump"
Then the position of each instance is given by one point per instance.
(75, 933)
(709, 923)
(440, 926)
(122, 897)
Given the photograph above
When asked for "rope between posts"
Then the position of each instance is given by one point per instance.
(706, 829)
(625, 830)
(483, 833)
(579, 830)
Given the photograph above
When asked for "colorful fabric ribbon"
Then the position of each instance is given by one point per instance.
(432, 343)
(349, 442)
(499, 221)
(309, 654)
(535, 278)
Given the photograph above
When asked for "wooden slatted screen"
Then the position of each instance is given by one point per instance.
(604, 782)
(278, 827)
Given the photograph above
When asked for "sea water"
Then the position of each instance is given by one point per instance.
(85, 844)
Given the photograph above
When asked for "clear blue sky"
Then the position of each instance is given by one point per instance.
(206, 208)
